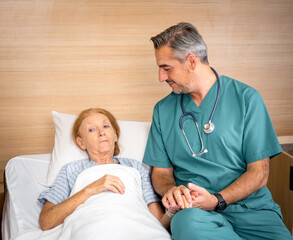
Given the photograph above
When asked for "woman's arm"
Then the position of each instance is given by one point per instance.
(53, 215)
(156, 209)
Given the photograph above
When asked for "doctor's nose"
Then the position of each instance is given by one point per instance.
(163, 76)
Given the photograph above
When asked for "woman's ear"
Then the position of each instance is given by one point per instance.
(80, 143)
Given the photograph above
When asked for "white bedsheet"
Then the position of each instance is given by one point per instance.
(107, 215)
(21, 208)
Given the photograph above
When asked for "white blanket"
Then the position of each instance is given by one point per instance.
(107, 216)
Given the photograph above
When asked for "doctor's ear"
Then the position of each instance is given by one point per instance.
(191, 62)
(80, 143)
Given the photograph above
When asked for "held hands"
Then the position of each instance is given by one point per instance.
(177, 198)
(174, 209)
(180, 197)
(107, 182)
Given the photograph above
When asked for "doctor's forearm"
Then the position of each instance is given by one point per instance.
(163, 180)
(253, 179)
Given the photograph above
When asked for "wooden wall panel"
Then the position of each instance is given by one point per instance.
(70, 55)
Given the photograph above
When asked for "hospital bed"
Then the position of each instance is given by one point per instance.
(28, 175)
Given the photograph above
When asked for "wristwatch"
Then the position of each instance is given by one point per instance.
(221, 203)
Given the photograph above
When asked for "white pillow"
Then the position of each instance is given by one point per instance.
(132, 143)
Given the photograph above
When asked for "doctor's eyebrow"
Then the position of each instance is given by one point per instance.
(164, 66)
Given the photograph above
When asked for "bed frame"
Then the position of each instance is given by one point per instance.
(280, 184)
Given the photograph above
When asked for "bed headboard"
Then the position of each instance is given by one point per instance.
(70, 55)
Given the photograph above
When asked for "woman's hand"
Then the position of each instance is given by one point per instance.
(177, 197)
(107, 182)
(185, 204)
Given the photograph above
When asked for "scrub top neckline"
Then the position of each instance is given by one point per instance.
(208, 100)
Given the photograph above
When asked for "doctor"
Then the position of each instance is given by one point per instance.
(210, 143)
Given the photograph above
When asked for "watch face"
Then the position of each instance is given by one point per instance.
(221, 206)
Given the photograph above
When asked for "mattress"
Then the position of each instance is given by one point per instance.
(21, 208)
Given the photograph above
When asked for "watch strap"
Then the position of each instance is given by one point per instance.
(221, 206)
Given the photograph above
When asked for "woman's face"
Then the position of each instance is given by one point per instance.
(97, 135)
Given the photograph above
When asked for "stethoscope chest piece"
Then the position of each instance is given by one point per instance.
(208, 127)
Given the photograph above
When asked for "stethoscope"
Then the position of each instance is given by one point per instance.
(207, 127)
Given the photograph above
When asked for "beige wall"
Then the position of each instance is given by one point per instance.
(70, 55)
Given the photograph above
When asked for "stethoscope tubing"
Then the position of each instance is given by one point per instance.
(191, 114)
(184, 113)
(218, 95)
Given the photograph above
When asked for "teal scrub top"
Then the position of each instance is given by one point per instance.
(243, 134)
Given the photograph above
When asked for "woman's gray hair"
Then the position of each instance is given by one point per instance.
(183, 38)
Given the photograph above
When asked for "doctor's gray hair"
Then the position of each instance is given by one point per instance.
(183, 38)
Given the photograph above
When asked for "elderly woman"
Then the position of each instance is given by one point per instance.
(97, 132)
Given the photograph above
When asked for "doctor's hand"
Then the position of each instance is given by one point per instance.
(202, 198)
(178, 198)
